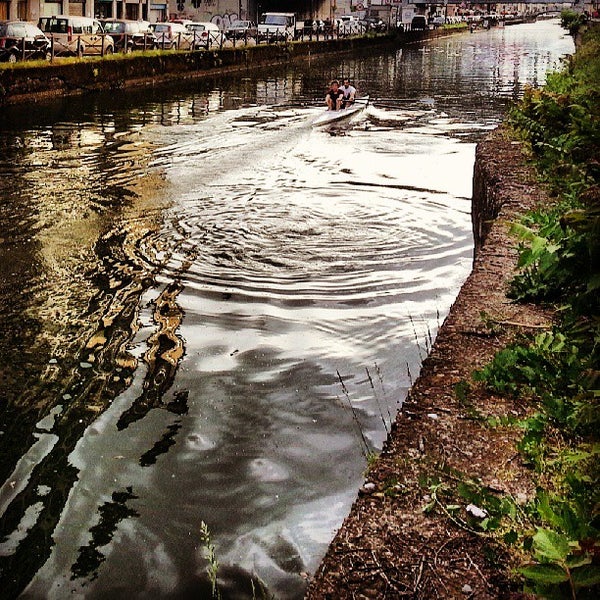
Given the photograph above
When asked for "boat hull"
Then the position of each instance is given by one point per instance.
(335, 116)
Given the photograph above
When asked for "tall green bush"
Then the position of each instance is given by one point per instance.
(559, 370)
(561, 122)
(572, 20)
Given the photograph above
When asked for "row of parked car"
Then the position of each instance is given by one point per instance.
(72, 35)
(61, 35)
(308, 28)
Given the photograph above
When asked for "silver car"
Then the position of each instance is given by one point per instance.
(76, 35)
(20, 40)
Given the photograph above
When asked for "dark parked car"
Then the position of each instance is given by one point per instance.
(130, 35)
(419, 22)
(313, 27)
(22, 40)
(241, 30)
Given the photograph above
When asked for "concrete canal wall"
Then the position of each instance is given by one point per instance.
(27, 82)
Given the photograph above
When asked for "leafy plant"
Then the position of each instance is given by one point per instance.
(557, 370)
(562, 567)
(572, 21)
(560, 248)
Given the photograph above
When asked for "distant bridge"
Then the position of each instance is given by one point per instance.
(323, 8)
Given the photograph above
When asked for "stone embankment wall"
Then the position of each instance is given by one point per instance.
(491, 176)
(25, 83)
(503, 182)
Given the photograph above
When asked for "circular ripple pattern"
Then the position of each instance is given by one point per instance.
(304, 222)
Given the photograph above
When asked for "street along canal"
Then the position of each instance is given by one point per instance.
(211, 310)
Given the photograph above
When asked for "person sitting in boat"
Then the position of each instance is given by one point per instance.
(334, 96)
(349, 92)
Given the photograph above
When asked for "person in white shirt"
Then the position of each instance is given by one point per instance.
(349, 93)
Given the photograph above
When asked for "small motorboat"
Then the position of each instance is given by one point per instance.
(334, 116)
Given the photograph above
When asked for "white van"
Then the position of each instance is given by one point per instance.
(76, 35)
(277, 26)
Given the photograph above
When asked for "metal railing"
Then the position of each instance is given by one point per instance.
(79, 45)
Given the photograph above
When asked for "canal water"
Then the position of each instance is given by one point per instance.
(211, 310)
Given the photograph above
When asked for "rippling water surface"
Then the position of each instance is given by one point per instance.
(212, 310)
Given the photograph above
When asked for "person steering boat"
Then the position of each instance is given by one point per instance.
(349, 92)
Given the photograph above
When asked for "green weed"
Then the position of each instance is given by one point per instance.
(572, 21)
(210, 555)
(558, 370)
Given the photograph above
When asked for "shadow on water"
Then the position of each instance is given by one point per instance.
(192, 337)
(72, 324)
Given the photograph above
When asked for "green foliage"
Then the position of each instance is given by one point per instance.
(455, 26)
(542, 274)
(572, 21)
(559, 257)
(371, 459)
(558, 370)
(495, 506)
(560, 249)
(549, 367)
(557, 530)
(561, 569)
